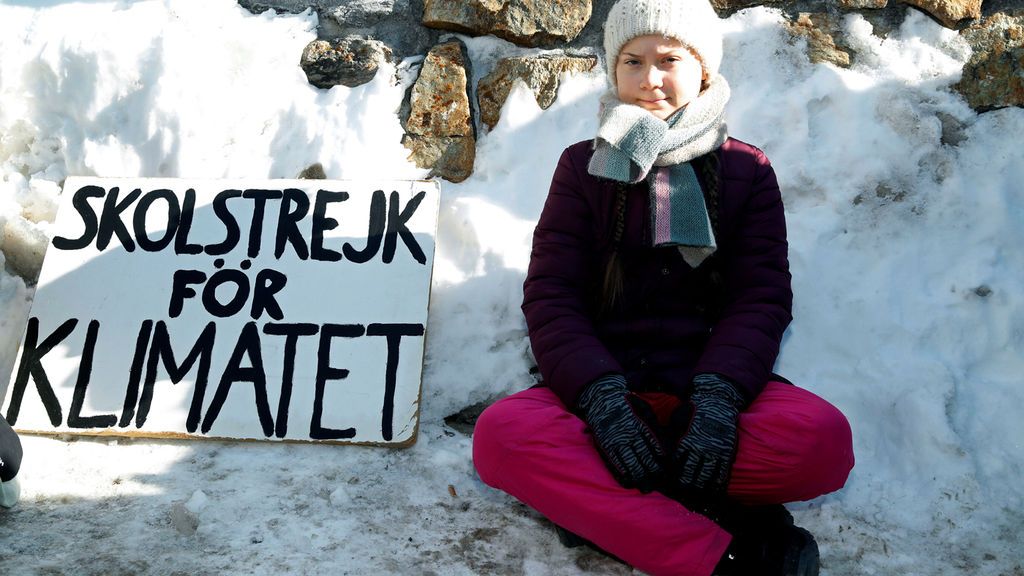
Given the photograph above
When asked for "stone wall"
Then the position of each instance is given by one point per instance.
(441, 121)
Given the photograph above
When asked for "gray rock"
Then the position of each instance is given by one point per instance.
(952, 129)
(725, 7)
(885, 21)
(523, 22)
(465, 420)
(350, 62)
(951, 13)
(363, 13)
(406, 37)
(280, 6)
(591, 38)
(396, 23)
(862, 4)
(451, 158)
(990, 7)
(994, 76)
(540, 73)
(439, 126)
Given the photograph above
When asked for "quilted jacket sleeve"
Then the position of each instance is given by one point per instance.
(555, 292)
(745, 341)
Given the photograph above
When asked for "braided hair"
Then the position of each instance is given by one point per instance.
(711, 296)
(612, 284)
(611, 287)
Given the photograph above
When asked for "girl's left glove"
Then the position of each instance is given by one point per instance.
(703, 456)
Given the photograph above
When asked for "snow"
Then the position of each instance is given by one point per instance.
(904, 211)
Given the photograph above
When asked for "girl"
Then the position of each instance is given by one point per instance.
(656, 299)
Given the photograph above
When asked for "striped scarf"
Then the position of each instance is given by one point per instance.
(632, 145)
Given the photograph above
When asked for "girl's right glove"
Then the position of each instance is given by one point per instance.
(626, 441)
(703, 457)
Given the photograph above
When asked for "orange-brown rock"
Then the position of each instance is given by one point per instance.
(994, 76)
(439, 129)
(952, 13)
(818, 30)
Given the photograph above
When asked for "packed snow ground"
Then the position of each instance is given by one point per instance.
(904, 209)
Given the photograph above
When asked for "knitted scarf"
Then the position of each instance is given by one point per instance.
(632, 145)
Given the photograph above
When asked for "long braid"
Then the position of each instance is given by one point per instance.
(611, 288)
(709, 169)
(715, 283)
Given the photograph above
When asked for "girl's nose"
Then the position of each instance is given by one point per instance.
(652, 77)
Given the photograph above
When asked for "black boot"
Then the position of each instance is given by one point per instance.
(767, 543)
(573, 540)
(740, 520)
(569, 539)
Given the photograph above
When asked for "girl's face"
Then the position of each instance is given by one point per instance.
(658, 74)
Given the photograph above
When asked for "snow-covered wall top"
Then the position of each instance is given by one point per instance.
(356, 37)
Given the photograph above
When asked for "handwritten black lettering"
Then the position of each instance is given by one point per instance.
(325, 372)
(394, 333)
(321, 224)
(162, 353)
(248, 345)
(81, 203)
(291, 332)
(140, 220)
(397, 221)
(31, 365)
(75, 418)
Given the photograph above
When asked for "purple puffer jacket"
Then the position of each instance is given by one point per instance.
(662, 333)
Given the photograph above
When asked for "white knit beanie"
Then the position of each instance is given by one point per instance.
(693, 22)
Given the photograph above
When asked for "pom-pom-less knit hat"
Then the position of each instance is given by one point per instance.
(693, 22)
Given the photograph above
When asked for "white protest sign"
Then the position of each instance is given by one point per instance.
(270, 310)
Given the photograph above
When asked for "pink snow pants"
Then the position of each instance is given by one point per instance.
(793, 446)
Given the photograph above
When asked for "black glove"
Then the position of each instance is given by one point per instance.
(703, 457)
(628, 444)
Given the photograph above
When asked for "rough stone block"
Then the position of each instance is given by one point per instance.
(523, 22)
(541, 74)
(350, 62)
(994, 76)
